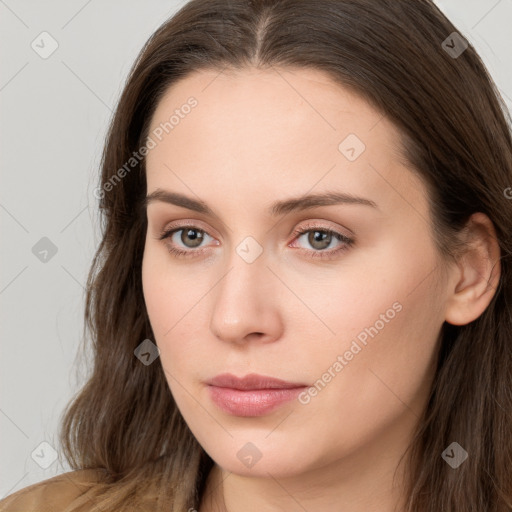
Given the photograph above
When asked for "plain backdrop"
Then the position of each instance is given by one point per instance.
(54, 114)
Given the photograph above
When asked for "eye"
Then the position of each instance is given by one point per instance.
(187, 241)
(190, 238)
(321, 238)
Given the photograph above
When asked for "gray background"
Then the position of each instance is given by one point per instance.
(54, 116)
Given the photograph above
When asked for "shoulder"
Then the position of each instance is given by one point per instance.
(53, 494)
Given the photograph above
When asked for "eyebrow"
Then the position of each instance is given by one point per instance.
(277, 208)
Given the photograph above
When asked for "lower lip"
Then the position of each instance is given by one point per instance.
(252, 402)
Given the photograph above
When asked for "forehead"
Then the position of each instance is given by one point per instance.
(276, 129)
(282, 97)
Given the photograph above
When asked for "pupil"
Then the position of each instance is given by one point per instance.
(191, 234)
(319, 236)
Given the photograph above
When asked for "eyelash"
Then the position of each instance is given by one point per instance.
(322, 254)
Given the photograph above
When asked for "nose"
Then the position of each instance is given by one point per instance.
(245, 303)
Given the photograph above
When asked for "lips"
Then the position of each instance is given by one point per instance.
(252, 395)
(252, 381)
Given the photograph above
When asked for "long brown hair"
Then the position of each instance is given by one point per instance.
(455, 134)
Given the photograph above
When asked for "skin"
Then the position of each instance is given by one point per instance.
(256, 137)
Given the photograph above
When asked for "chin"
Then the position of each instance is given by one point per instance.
(258, 458)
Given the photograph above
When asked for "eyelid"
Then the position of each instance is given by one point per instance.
(182, 224)
(310, 225)
(347, 240)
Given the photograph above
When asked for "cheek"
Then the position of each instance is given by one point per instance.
(381, 364)
(387, 378)
(173, 303)
(168, 293)
(154, 287)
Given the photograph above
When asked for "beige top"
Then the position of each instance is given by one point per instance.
(51, 495)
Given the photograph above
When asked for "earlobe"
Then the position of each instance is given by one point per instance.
(477, 276)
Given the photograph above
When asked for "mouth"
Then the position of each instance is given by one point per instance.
(252, 395)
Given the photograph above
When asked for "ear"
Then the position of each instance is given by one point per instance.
(478, 271)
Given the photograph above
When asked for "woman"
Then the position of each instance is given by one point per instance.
(302, 296)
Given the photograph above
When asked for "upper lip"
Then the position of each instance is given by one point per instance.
(251, 381)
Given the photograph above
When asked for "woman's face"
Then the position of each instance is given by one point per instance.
(356, 322)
